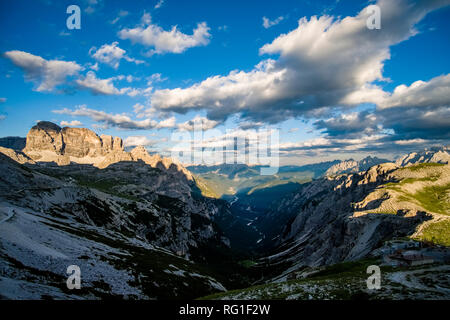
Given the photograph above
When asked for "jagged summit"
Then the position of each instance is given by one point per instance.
(434, 154)
(48, 142)
(47, 125)
(352, 166)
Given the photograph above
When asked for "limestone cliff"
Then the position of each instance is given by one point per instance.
(47, 142)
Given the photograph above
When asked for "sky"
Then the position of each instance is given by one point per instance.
(313, 71)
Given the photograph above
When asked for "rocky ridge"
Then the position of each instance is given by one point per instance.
(352, 166)
(47, 142)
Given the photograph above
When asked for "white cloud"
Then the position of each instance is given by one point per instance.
(122, 13)
(224, 95)
(74, 123)
(106, 86)
(2, 117)
(98, 86)
(111, 54)
(137, 108)
(198, 123)
(156, 77)
(46, 74)
(174, 41)
(92, 6)
(121, 121)
(323, 63)
(270, 23)
(89, 10)
(411, 141)
(159, 4)
(133, 141)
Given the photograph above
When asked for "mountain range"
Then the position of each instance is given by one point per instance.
(141, 226)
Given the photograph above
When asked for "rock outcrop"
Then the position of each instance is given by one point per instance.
(45, 136)
(47, 142)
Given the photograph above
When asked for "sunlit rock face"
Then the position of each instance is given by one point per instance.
(45, 136)
(47, 142)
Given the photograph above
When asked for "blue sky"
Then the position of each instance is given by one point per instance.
(333, 102)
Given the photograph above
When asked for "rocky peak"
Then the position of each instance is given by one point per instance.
(434, 155)
(352, 166)
(69, 142)
(47, 142)
(155, 161)
(44, 136)
(140, 153)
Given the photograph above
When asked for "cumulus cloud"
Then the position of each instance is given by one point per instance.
(270, 23)
(162, 41)
(324, 62)
(154, 78)
(106, 86)
(111, 54)
(225, 95)
(46, 74)
(98, 86)
(133, 141)
(121, 121)
(417, 122)
(74, 123)
(349, 123)
(198, 123)
(434, 93)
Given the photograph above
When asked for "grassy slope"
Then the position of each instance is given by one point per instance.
(340, 281)
(437, 233)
